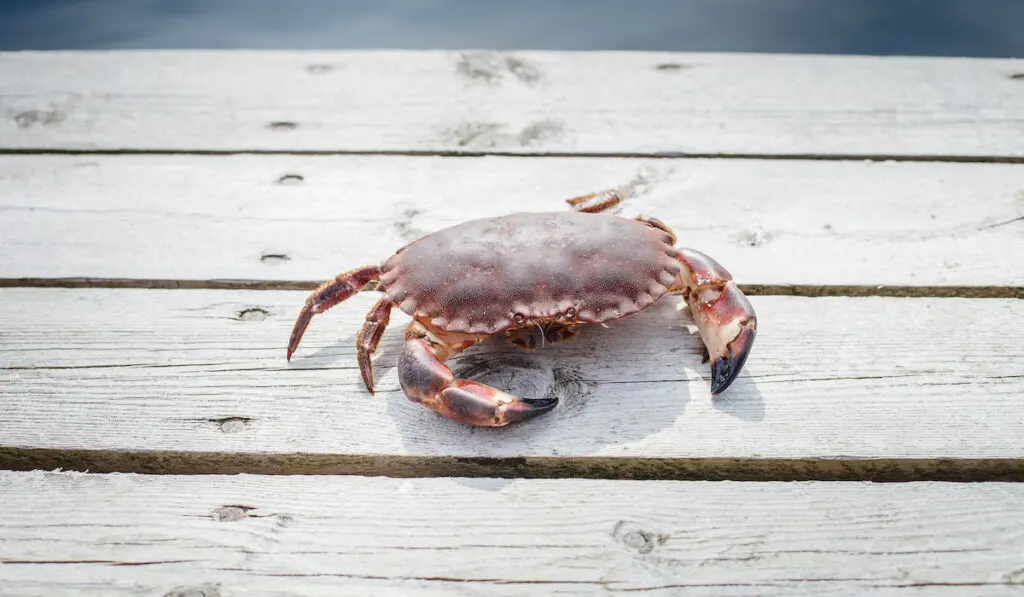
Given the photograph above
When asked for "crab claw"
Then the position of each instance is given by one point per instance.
(428, 381)
(479, 404)
(725, 318)
(728, 326)
(726, 368)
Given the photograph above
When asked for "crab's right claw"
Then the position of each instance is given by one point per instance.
(724, 316)
(727, 324)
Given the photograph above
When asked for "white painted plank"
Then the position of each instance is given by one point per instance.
(604, 102)
(151, 535)
(832, 378)
(768, 221)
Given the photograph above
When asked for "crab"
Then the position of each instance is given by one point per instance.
(514, 274)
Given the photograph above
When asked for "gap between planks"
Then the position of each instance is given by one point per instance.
(179, 462)
(801, 290)
(657, 155)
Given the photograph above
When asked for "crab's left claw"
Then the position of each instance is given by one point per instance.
(725, 318)
(425, 379)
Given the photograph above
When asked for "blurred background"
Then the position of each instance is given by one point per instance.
(992, 28)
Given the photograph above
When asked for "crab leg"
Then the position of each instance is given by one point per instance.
(329, 294)
(369, 337)
(426, 380)
(596, 202)
(656, 223)
(725, 319)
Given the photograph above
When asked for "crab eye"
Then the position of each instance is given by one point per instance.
(518, 318)
(570, 313)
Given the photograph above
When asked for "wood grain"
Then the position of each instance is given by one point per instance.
(198, 380)
(186, 382)
(528, 102)
(306, 218)
(216, 536)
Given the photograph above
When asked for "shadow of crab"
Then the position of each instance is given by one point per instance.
(528, 375)
(615, 384)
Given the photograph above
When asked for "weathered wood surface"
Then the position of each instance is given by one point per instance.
(830, 381)
(529, 102)
(195, 381)
(307, 218)
(142, 535)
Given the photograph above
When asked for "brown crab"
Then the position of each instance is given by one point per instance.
(513, 274)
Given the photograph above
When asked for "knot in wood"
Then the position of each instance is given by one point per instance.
(231, 424)
(231, 513)
(637, 539)
(274, 258)
(253, 314)
(203, 590)
(642, 541)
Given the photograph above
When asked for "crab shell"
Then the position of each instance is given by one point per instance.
(492, 275)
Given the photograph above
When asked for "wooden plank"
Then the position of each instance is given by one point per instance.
(198, 381)
(771, 222)
(527, 102)
(144, 535)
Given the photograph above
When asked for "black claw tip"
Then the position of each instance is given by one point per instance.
(527, 409)
(726, 369)
(723, 372)
(541, 405)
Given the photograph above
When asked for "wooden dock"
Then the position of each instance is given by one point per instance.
(163, 216)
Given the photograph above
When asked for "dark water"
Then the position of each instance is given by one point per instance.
(910, 27)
